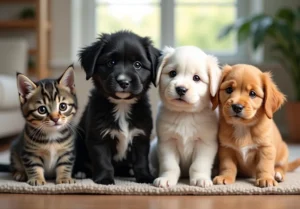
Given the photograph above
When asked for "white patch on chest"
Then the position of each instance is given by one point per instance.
(124, 135)
(243, 133)
(244, 151)
(50, 161)
(50, 154)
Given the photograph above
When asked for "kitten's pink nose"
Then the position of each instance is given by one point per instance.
(54, 119)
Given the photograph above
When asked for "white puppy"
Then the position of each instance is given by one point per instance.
(186, 126)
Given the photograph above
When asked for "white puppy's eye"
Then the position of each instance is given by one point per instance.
(172, 73)
(137, 65)
(196, 78)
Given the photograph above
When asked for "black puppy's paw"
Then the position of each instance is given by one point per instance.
(148, 179)
(104, 181)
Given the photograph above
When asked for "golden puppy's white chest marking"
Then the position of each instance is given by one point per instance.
(243, 137)
(245, 150)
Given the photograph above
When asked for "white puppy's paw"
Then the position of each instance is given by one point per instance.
(164, 182)
(201, 182)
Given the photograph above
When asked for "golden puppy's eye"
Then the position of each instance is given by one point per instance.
(229, 90)
(252, 94)
(172, 74)
(196, 78)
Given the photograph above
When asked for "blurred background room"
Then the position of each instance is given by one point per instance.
(42, 37)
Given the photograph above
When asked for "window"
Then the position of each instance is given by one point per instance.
(172, 22)
(139, 16)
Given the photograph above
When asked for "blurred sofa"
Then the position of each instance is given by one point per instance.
(13, 58)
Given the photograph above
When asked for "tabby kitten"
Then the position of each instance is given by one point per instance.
(46, 146)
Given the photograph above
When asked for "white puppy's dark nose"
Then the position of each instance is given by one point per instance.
(181, 90)
(123, 83)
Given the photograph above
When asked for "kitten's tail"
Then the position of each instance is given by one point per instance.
(4, 168)
(294, 164)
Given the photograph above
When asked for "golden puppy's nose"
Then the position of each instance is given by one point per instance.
(181, 90)
(237, 108)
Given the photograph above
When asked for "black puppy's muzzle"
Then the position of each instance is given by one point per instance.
(123, 83)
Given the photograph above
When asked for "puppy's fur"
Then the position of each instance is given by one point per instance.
(250, 143)
(114, 132)
(186, 125)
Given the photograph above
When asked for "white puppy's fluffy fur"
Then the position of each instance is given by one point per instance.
(186, 128)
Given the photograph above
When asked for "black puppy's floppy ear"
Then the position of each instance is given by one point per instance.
(153, 55)
(88, 55)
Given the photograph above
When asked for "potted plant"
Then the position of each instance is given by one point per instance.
(283, 32)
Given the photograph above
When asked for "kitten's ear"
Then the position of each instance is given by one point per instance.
(68, 79)
(25, 87)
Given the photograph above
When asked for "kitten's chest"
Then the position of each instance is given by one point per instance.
(50, 154)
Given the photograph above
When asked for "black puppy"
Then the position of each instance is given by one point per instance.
(114, 132)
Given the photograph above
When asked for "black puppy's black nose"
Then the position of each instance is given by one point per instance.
(181, 90)
(123, 83)
(237, 108)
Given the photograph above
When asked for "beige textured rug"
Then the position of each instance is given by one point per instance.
(127, 187)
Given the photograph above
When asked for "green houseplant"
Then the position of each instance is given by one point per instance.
(282, 30)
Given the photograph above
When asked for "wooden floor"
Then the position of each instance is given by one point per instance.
(14, 201)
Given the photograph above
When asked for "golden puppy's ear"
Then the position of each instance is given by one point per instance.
(166, 54)
(215, 99)
(273, 98)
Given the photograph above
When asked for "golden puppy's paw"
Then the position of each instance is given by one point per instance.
(65, 181)
(224, 180)
(36, 182)
(279, 176)
(266, 182)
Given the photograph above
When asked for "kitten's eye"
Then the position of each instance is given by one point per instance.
(229, 90)
(62, 106)
(42, 110)
(196, 78)
(137, 65)
(111, 63)
(252, 94)
(172, 73)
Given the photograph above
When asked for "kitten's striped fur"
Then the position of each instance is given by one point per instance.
(46, 146)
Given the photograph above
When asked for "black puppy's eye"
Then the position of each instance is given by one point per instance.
(111, 63)
(137, 65)
(42, 110)
(229, 90)
(196, 78)
(252, 94)
(172, 73)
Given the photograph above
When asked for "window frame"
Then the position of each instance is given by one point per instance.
(87, 33)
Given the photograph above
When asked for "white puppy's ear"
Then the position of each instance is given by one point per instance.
(166, 54)
(214, 73)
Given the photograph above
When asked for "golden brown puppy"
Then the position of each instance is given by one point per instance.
(250, 143)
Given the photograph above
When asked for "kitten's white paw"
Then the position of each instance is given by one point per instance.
(80, 175)
(201, 182)
(164, 182)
